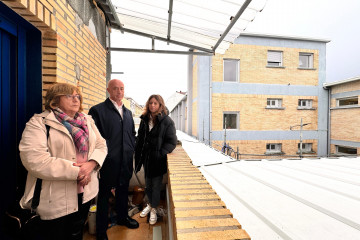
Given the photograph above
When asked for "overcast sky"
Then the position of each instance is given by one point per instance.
(338, 21)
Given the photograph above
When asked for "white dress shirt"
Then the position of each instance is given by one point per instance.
(119, 108)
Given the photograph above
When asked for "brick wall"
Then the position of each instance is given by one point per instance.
(346, 87)
(258, 147)
(253, 61)
(344, 122)
(254, 115)
(67, 44)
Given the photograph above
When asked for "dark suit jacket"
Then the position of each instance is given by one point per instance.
(118, 165)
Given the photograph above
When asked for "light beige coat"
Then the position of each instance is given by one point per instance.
(52, 160)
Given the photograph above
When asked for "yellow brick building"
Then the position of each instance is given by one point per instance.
(262, 86)
(73, 47)
(344, 112)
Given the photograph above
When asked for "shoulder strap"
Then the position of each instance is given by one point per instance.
(36, 199)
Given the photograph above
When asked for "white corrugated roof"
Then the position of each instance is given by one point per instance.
(197, 23)
(285, 199)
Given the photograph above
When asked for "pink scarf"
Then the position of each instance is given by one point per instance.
(77, 128)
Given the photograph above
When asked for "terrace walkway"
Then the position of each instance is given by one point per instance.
(195, 211)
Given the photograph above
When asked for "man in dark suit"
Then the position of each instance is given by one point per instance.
(116, 125)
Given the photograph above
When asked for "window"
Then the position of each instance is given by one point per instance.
(345, 150)
(231, 70)
(347, 101)
(230, 120)
(274, 59)
(306, 147)
(274, 103)
(273, 148)
(304, 104)
(306, 60)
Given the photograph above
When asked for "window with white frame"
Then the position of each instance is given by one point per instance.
(274, 103)
(305, 104)
(306, 147)
(231, 70)
(230, 120)
(306, 60)
(345, 150)
(273, 148)
(274, 58)
(347, 101)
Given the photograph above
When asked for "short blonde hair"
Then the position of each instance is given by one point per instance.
(53, 94)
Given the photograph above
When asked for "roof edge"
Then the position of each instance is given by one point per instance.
(353, 79)
(266, 35)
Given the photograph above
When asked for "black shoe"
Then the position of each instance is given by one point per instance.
(128, 222)
(101, 237)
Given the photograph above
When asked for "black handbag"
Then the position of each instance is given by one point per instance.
(22, 223)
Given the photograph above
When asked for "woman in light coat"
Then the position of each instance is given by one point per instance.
(67, 161)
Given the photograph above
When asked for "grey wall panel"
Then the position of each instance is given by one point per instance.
(264, 89)
(346, 94)
(264, 135)
(346, 143)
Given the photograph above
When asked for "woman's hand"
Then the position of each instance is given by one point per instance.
(86, 168)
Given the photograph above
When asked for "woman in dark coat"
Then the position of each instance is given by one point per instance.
(156, 138)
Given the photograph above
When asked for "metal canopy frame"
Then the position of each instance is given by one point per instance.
(115, 23)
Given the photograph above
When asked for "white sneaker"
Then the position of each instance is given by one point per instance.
(145, 211)
(153, 216)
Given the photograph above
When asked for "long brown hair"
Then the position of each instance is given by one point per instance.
(162, 107)
(52, 98)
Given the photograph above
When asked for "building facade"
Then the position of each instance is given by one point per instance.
(344, 137)
(135, 108)
(177, 106)
(260, 91)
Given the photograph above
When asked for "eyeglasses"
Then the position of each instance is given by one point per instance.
(69, 96)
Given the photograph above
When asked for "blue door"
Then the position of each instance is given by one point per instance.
(20, 97)
(8, 59)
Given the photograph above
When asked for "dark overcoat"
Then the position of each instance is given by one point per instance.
(119, 134)
(153, 146)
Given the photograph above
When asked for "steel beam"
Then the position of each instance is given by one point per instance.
(233, 21)
(160, 51)
(170, 19)
(165, 40)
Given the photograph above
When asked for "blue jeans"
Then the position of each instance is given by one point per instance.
(153, 189)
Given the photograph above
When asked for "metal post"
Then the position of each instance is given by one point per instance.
(203, 131)
(301, 126)
(237, 153)
(225, 136)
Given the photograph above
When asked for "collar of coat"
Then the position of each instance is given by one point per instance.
(110, 105)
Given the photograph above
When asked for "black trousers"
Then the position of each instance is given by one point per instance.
(153, 190)
(102, 208)
(68, 227)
